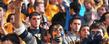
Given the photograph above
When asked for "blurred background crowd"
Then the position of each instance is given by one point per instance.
(54, 21)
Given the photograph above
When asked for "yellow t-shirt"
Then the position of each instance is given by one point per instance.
(6, 1)
(6, 15)
(9, 28)
(50, 11)
(30, 10)
(23, 17)
(106, 36)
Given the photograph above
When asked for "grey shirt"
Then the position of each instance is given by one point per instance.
(71, 38)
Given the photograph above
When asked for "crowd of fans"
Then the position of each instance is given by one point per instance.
(54, 22)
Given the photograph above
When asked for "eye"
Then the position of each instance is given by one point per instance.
(93, 32)
(34, 18)
(54, 29)
(78, 23)
(60, 29)
(38, 18)
(11, 18)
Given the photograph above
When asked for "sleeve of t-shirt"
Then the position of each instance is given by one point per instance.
(25, 35)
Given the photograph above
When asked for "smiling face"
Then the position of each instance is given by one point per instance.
(57, 33)
(57, 30)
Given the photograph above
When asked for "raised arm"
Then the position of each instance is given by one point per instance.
(17, 13)
(20, 28)
(2, 27)
(2, 30)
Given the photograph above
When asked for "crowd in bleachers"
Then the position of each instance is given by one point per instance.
(54, 21)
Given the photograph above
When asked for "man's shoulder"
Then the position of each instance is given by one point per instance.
(69, 33)
(42, 30)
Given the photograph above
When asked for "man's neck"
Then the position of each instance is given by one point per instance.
(74, 32)
(34, 27)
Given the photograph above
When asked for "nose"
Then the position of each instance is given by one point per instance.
(86, 31)
(58, 31)
(77, 25)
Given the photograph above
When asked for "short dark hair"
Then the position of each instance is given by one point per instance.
(33, 14)
(75, 5)
(72, 19)
(12, 37)
(83, 26)
(54, 26)
(75, 17)
(95, 26)
(103, 17)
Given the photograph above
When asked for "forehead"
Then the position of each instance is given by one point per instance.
(77, 21)
(41, 4)
(86, 27)
(56, 27)
(40, 1)
(38, 16)
(107, 15)
(97, 30)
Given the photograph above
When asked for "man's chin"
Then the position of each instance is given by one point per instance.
(36, 26)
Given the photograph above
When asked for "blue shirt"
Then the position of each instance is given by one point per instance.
(82, 10)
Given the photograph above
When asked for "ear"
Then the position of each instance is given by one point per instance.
(70, 25)
(30, 20)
